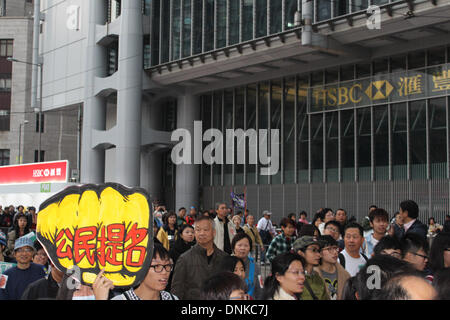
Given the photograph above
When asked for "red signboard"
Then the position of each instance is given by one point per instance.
(55, 171)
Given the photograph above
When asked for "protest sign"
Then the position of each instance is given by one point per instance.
(5, 266)
(95, 227)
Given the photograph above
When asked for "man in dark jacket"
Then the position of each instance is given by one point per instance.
(409, 211)
(45, 288)
(198, 263)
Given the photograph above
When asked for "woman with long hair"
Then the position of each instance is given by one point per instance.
(287, 277)
(21, 228)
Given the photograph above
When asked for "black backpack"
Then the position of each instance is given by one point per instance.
(342, 258)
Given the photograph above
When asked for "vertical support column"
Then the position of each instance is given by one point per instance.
(93, 160)
(187, 175)
(129, 95)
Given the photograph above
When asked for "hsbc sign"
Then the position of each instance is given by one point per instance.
(55, 171)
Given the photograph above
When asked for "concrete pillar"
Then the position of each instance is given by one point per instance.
(129, 94)
(187, 175)
(92, 168)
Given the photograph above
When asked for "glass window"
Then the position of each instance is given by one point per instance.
(380, 66)
(364, 143)
(221, 23)
(331, 75)
(289, 130)
(36, 156)
(358, 5)
(209, 25)
(416, 60)
(176, 28)
(399, 141)
(247, 20)
(4, 157)
(381, 142)
(398, 63)
(261, 18)
(217, 123)
(302, 130)
(341, 7)
(37, 122)
(323, 10)
(148, 7)
(290, 10)
(332, 146)
(197, 25)
(239, 124)
(234, 21)
(316, 78)
(155, 33)
(228, 124)
(316, 137)
(275, 16)
(379, 2)
(206, 118)
(418, 139)
(263, 122)
(347, 72)
(251, 123)
(438, 138)
(187, 28)
(275, 114)
(362, 70)
(348, 145)
(436, 56)
(165, 31)
(4, 120)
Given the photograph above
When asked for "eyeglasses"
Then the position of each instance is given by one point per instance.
(420, 255)
(27, 250)
(331, 229)
(241, 297)
(159, 267)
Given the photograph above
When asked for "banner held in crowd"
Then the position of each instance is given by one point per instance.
(95, 227)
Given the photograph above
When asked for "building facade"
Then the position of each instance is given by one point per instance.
(20, 140)
(360, 97)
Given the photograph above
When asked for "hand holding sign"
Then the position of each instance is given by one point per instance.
(96, 227)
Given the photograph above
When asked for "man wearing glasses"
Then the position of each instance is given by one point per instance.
(415, 251)
(315, 287)
(330, 270)
(14, 281)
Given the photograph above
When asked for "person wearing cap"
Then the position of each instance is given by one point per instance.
(19, 277)
(282, 242)
(266, 231)
(21, 228)
(309, 248)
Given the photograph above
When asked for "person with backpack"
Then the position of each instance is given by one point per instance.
(351, 258)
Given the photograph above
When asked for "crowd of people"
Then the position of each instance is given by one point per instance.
(220, 255)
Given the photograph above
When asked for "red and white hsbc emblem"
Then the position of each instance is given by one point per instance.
(54, 171)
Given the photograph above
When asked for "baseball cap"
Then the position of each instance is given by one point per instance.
(24, 242)
(2, 238)
(305, 241)
(267, 212)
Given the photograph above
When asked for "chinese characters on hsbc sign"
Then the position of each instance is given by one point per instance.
(97, 227)
(56, 171)
(394, 87)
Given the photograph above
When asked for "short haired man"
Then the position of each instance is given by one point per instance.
(251, 230)
(282, 242)
(303, 216)
(388, 245)
(199, 263)
(409, 212)
(407, 287)
(351, 258)
(415, 251)
(330, 270)
(45, 288)
(17, 278)
(181, 216)
(332, 228)
(315, 287)
(341, 217)
(379, 222)
(225, 229)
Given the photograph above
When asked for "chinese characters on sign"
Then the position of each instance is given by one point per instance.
(384, 88)
(97, 227)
